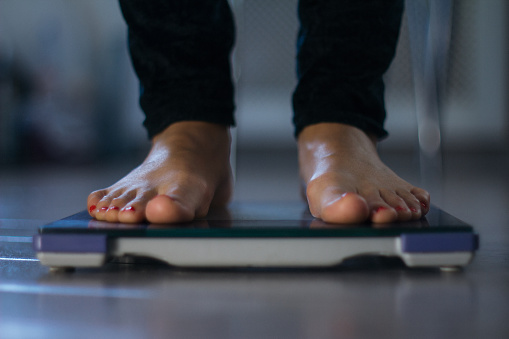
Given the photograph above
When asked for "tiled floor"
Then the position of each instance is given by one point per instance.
(377, 300)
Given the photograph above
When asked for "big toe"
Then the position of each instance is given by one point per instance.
(164, 209)
(348, 208)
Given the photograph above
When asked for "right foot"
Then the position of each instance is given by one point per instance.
(186, 172)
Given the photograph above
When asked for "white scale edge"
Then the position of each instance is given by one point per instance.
(255, 252)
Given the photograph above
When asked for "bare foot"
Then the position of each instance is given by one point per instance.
(346, 182)
(186, 172)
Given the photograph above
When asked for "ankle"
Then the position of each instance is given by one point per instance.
(194, 135)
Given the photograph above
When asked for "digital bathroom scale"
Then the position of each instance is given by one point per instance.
(256, 235)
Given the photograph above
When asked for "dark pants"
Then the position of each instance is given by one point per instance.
(180, 50)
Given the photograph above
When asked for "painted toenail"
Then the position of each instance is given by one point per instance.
(113, 208)
(400, 208)
(129, 209)
(424, 205)
(413, 209)
(103, 209)
(379, 209)
(92, 208)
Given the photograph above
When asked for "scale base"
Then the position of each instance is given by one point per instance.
(257, 235)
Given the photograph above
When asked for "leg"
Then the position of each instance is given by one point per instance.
(344, 49)
(180, 51)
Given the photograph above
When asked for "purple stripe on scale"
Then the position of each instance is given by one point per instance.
(70, 243)
(440, 242)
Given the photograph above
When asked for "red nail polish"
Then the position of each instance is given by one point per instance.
(399, 208)
(424, 205)
(129, 209)
(413, 209)
(113, 208)
(103, 209)
(92, 208)
(379, 209)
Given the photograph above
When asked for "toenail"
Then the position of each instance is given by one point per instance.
(379, 209)
(424, 205)
(113, 208)
(413, 209)
(400, 208)
(92, 208)
(103, 209)
(129, 209)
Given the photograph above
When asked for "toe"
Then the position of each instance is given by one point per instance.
(118, 204)
(165, 209)
(134, 212)
(103, 206)
(381, 205)
(384, 214)
(398, 204)
(423, 197)
(101, 210)
(335, 203)
(93, 201)
(111, 214)
(188, 198)
(346, 208)
(413, 204)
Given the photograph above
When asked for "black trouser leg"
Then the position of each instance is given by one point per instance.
(180, 50)
(344, 48)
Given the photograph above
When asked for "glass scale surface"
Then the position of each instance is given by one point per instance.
(256, 235)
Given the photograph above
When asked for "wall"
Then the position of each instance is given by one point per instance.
(68, 92)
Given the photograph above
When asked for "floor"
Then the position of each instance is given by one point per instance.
(372, 299)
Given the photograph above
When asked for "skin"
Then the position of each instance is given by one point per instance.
(187, 171)
(346, 182)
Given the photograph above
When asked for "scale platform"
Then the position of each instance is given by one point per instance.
(256, 235)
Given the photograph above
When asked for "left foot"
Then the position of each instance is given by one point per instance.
(346, 182)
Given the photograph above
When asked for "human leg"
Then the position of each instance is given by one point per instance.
(344, 49)
(180, 51)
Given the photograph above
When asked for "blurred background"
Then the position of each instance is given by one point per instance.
(70, 120)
